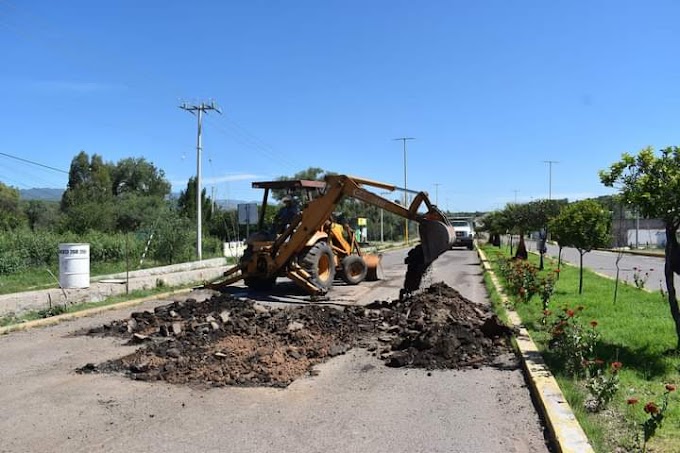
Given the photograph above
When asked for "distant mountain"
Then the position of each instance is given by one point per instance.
(230, 204)
(41, 193)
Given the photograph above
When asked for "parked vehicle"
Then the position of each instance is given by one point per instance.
(464, 232)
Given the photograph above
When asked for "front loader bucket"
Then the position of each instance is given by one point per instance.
(436, 237)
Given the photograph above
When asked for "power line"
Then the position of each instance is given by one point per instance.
(33, 163)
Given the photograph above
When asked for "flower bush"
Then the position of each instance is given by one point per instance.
(640, 278)
(602, 384)
(655, 415)
(571, 342)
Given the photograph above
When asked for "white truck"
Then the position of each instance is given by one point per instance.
(465, 232)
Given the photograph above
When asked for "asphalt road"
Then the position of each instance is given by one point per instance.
(354, 404)
(604, 262)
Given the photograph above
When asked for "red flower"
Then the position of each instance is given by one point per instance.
(547, 312)
(557, 271)
(593, 323)
(616, 366)
(570, 313)
(651, 408)
(670, 387)
(632, 401)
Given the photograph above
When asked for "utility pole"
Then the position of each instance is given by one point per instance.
(515, 195)
(404, 139)
(199, 110)
(436, 193)
(550, 164)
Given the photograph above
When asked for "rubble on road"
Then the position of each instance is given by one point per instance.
(234, 341)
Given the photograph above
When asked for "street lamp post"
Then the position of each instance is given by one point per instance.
(404, 139)
(550, 164)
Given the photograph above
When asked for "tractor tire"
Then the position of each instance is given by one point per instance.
(320, 264)
(354, 269)
(260, 283)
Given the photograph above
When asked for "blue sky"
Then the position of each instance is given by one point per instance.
(489, 89)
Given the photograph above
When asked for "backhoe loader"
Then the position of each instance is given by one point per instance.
(304, 250)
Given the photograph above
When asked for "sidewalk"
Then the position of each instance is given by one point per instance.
(102, 287)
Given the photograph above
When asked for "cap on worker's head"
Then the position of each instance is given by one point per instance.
(287, 199)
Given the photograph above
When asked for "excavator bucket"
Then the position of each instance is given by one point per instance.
(436, 237)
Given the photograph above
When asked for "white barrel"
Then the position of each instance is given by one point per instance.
(74, 265)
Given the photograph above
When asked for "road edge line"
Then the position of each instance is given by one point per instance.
(564, 428)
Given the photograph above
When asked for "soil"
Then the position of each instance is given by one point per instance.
(234, 341)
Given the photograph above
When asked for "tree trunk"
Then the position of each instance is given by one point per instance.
(521, 248)
(559, 261)
(510, 244)
(672, 251)
(580, 273)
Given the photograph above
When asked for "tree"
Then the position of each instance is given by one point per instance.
(519, 219)
(10, 214)
(137, 176)
(41, 214)
(583, 225)
(540, 214)
(492, 223)
(89, 180)
(187, 202)
(652, 183)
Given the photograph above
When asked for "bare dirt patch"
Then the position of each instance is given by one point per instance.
(228, 341)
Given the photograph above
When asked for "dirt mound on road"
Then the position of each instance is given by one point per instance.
(228, 341)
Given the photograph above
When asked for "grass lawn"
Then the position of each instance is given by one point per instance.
(636, 330)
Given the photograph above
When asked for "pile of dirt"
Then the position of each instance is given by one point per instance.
(231, 341)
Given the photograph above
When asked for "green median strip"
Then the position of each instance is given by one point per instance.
(634, 332)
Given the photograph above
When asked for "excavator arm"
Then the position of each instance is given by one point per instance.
(436, 232)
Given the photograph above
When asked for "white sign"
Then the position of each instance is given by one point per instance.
(247, 214)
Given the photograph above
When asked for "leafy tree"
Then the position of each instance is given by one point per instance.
(89, 180)
(139, 177)
(519, 221)
(540, 214)
(41, 214)
(10, 214)
(173, 238)
(652, 183)
(583, 225)
(492, 224)
(187, 202)
(133, 211)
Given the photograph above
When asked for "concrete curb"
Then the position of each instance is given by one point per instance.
(566, 431)
(88, 312)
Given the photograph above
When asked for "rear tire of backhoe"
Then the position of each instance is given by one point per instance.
(354, 269)
(320, 264)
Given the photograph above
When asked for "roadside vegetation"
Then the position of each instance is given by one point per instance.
(60, 309)
(615, 361)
